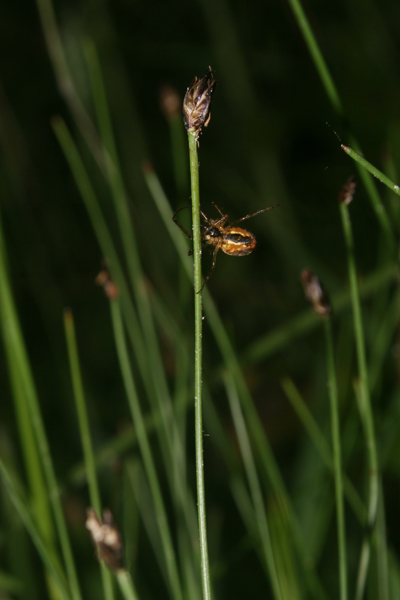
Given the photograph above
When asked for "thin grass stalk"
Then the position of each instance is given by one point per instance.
(45, 553)
(316, 55)
(13, 350)
(198, 326)
(13, 336)
(37, 486)
(337, 459)
(365, 401)
(371, 169)
(90, 463)
(382, 549)
(137, 417)
(254, 485)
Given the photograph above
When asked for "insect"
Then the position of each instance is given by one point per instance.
(222, 235)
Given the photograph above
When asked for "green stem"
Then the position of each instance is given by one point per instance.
(198, 322)
(337, 460)
(46, 554)
(365, 401)
(316, 55)
(373, 170)
(126, 585)
(84, 428)
(254, 484)
(148, 461)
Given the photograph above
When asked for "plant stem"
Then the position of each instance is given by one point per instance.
(86, 439)
(337, 460)
(373, 170)
(365, 401)
(147, 456)
(198, 323)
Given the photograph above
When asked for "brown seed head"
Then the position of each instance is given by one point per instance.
(348, 190)
(316, 294)
(110, 288)
(197, 102)
(106, 538)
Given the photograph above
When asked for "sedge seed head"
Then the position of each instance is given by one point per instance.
(197, 103)
(316, 293)
(348, 190)
(106, 538)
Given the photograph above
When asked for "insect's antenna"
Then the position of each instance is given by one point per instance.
(255, 214)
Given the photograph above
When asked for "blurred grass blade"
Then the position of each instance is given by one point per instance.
(86, 440)
(45, 552)
(21, 368)
(320, 443)
(316, 55)
(254, 485)
(364, 399)
(134, 405)
(382, 550)
(126, 585)
(337, 458)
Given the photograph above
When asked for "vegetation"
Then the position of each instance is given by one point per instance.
(291, 461)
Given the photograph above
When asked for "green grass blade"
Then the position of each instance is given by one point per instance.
(198, 364)
(337, 459)
(94, 492)
(320, 443)
(133, 400)
(46, 554)
(14, 340)
(364, 397)
(371, 169)
(254, 485)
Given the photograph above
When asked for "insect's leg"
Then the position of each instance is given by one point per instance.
(203, 214)
(179, 224)
(254, 214)
(218, 209)
(212, 268)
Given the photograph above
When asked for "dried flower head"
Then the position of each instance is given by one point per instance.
(110, 288)
(106, 538)
(197, 102)
(348, 190)
(316, 294)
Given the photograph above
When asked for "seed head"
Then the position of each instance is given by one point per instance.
(316, 293)
(348, 190)
(197, 102)
(106, 538)
(110, 288)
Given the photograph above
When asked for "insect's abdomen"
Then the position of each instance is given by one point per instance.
(238, 242)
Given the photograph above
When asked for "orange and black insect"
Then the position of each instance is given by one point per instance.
(224, 236)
